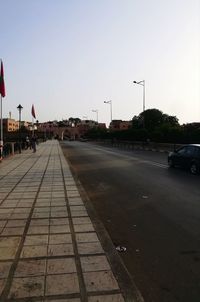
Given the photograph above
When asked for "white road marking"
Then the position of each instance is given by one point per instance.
(156, 164)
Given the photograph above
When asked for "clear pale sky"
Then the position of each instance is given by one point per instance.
(69, 56)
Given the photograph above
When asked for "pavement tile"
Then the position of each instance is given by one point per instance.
(27, 268)
(13, 231)
(58, 194)
(58, 208)
(79, 228)
(94, 263)
(9, 241)
(59, 221)
(64, 300)
(90, 248)
(6, 211)
(34, 251)
(5, 216)
(2, 223)
(44, 195)
(74, 208)
(9, 204)
(59, 214)
(81, 220)
(41, 209)
(39, 222)
(71, 187)
(29, 195)
(43, 203)
(60, 238)
(4, 269)
(75, 203)
(60, 250)
(61, 266)
(19, 216)
(74, 193)
(62, 284)
(42, 229)
(36, 240)
(79, 213)
(12, 195)
(22, 210)
(41, 200)
(58, 203)
(100, 281)
(86, 237)
(59, 229)
(2, 284)
(16, 223)
(41, 215)
(25, 204)
(27, 287)
(107, 298)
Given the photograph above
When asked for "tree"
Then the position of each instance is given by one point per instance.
(74, 120)
(151, 118)
(170, 120)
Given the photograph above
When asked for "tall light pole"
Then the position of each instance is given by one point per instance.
(143, 84)
(96, 113)
(109, 102)
(1, 136)
(19, 107)
(2, 94)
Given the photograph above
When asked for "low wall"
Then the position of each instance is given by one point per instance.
(151, 146)
(10, 148)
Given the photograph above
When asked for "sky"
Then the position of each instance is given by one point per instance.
(69, 56)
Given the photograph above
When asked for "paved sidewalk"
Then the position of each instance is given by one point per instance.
(49, 249)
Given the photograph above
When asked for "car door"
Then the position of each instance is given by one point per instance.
(184, 156)
(179, 156)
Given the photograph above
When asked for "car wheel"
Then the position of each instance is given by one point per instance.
(194, 169)
(170, 163)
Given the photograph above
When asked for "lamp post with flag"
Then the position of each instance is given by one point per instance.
(19, 107)
(2, 93)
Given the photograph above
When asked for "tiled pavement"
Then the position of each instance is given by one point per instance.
(49, 249)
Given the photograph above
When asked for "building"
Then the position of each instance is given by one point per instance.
(10, 125)
(119, 125)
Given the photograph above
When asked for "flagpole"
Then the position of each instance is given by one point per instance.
(32, 126)
(1, 141)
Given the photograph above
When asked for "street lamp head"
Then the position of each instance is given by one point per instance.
(19, 107)
(139, 82)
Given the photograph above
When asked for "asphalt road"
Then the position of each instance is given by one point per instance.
(152, 210)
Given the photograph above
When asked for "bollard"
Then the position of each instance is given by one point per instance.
(1, 150)
(13, 148)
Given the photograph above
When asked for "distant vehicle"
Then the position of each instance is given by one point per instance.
(83, 139)
(187, 157)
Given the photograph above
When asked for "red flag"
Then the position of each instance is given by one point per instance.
(33, 111)
(2, 85)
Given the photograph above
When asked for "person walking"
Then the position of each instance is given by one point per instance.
(33, 143)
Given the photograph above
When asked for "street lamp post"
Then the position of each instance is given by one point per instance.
(96, 113)
(143, 84)
(37, 124)
(19, 107)
(109, 102)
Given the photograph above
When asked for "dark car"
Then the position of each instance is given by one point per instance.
(187, 157)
